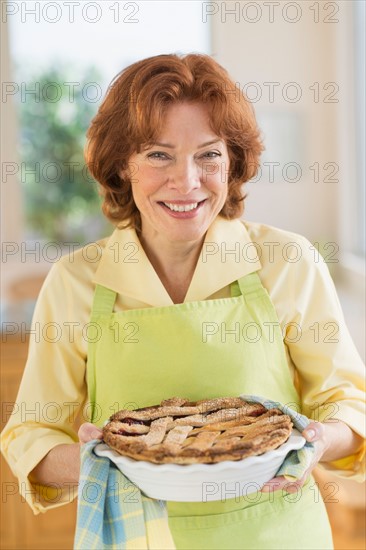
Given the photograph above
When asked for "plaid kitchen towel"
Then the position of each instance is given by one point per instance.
(296, 462)
(113, 513)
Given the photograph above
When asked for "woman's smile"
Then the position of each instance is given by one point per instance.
(182, 209)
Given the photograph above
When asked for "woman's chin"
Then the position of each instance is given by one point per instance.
(183, 236)
(171, 229)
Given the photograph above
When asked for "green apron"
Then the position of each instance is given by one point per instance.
(206, 349)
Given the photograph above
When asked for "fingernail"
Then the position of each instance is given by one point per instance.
(269, 487)
(291, 489)
(310, 434)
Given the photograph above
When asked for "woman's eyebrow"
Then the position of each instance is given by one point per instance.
(169, 146)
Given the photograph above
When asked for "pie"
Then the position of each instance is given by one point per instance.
(183, 432)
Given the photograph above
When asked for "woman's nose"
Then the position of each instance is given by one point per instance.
(185, 177)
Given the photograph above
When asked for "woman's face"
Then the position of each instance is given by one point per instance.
(180, 183)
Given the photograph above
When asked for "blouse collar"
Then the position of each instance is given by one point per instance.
(227, 254)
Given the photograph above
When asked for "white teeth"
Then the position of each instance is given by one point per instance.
(181, 207)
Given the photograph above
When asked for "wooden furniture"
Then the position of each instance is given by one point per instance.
(20, 528)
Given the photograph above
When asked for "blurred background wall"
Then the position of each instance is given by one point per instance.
(302, 64)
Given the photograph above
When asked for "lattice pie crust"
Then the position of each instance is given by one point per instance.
(208, 431)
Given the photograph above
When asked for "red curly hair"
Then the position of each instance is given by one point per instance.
(132, 115)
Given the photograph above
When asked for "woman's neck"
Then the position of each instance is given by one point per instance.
(174, 263)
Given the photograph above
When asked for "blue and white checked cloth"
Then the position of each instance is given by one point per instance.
(113, 513)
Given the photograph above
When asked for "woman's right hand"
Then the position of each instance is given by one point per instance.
(62, 463)
(88, 431)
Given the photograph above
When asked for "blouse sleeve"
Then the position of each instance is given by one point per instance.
(331, 374)
(52, 392)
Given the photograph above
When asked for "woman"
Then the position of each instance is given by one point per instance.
(153, 311)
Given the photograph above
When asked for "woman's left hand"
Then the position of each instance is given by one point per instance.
(321, 435)
(332, 440)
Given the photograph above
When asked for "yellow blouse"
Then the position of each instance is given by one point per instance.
(324, 363)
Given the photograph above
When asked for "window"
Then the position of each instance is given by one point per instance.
(64, 55)
(360, 117)
(60, 59)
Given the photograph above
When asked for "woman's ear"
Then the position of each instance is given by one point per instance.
(129, 174)
(123, 174)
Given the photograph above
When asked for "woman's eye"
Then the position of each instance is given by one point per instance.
(158, 155)
(212, 154)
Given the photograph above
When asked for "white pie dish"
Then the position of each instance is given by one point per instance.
(203, 482)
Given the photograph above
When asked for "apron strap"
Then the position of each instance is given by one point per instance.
(103, 302)
(250, 283)
(235, 289)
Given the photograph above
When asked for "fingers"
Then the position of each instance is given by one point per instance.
(314, 431)
(281, 483)
(88, 431)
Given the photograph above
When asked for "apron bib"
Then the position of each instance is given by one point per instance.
(205, 349)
